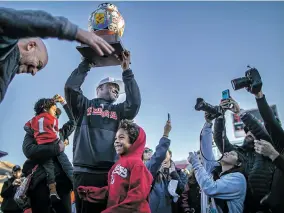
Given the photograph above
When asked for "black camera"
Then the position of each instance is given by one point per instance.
(214, 111)
(251, 81)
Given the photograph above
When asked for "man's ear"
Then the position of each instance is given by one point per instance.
(97, 90)
(31, 45)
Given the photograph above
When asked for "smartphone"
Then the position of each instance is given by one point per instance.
(226, 94)
(169, 117)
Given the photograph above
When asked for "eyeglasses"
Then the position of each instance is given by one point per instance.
(148, 150)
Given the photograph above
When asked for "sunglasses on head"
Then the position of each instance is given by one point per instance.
(148, 150)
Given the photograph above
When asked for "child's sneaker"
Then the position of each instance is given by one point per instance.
(53, 193)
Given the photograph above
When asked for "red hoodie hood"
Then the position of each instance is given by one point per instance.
(137, 148)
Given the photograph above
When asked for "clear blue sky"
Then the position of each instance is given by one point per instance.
(180, 51)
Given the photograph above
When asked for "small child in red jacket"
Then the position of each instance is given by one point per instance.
(44, 127)
(129, 181)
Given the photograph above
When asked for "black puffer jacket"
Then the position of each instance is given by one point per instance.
(258, 169)
(39, 153)
(275, 198)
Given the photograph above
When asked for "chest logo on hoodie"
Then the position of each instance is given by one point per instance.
(101, 112)
(118, 170)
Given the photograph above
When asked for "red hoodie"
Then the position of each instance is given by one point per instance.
(45, 128)
(129, 183)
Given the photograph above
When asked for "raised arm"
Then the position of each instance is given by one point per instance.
(257, 129)
(67, 129)
(206, 147)
(272, 125)
(159, 156)
(130, 107)
(218, 136)
(73, 92)
(154, 164)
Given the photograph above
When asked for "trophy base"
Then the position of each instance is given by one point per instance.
(106, 60)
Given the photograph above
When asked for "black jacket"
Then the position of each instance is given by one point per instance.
(7, 193)
(16, 24)
(275, 199)
(258, 169)
(39, 153)
(98, 120)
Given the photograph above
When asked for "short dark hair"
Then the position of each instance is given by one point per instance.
(43, 104)
(131, 128)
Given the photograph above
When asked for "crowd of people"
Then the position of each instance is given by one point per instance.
(112, 170)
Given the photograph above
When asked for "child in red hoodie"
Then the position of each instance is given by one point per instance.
(44, 127)
(129, 181)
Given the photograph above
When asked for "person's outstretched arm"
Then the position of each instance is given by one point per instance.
(36, 23)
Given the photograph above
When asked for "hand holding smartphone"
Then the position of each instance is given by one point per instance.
(226, 94)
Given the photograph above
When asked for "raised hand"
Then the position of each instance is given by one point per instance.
(94, 41)
(125, 60)
(191, 157)
(266, 149)
(59, 98)
(231, 105)
(167, 128)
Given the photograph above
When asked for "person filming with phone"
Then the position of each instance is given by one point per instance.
(169, 182)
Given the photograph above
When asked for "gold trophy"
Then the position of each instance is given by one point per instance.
(107, 23)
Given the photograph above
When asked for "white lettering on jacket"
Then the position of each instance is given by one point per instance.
(118, 170)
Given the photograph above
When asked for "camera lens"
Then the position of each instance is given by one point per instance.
(240, 83)
(201, 105)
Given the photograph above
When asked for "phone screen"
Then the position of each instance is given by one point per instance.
(226, 94)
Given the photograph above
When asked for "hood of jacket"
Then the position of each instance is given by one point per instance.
(137, 148)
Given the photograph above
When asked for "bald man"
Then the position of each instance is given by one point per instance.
(22, 50)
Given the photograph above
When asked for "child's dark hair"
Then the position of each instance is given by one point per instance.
(43, 104)
(131, 128)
